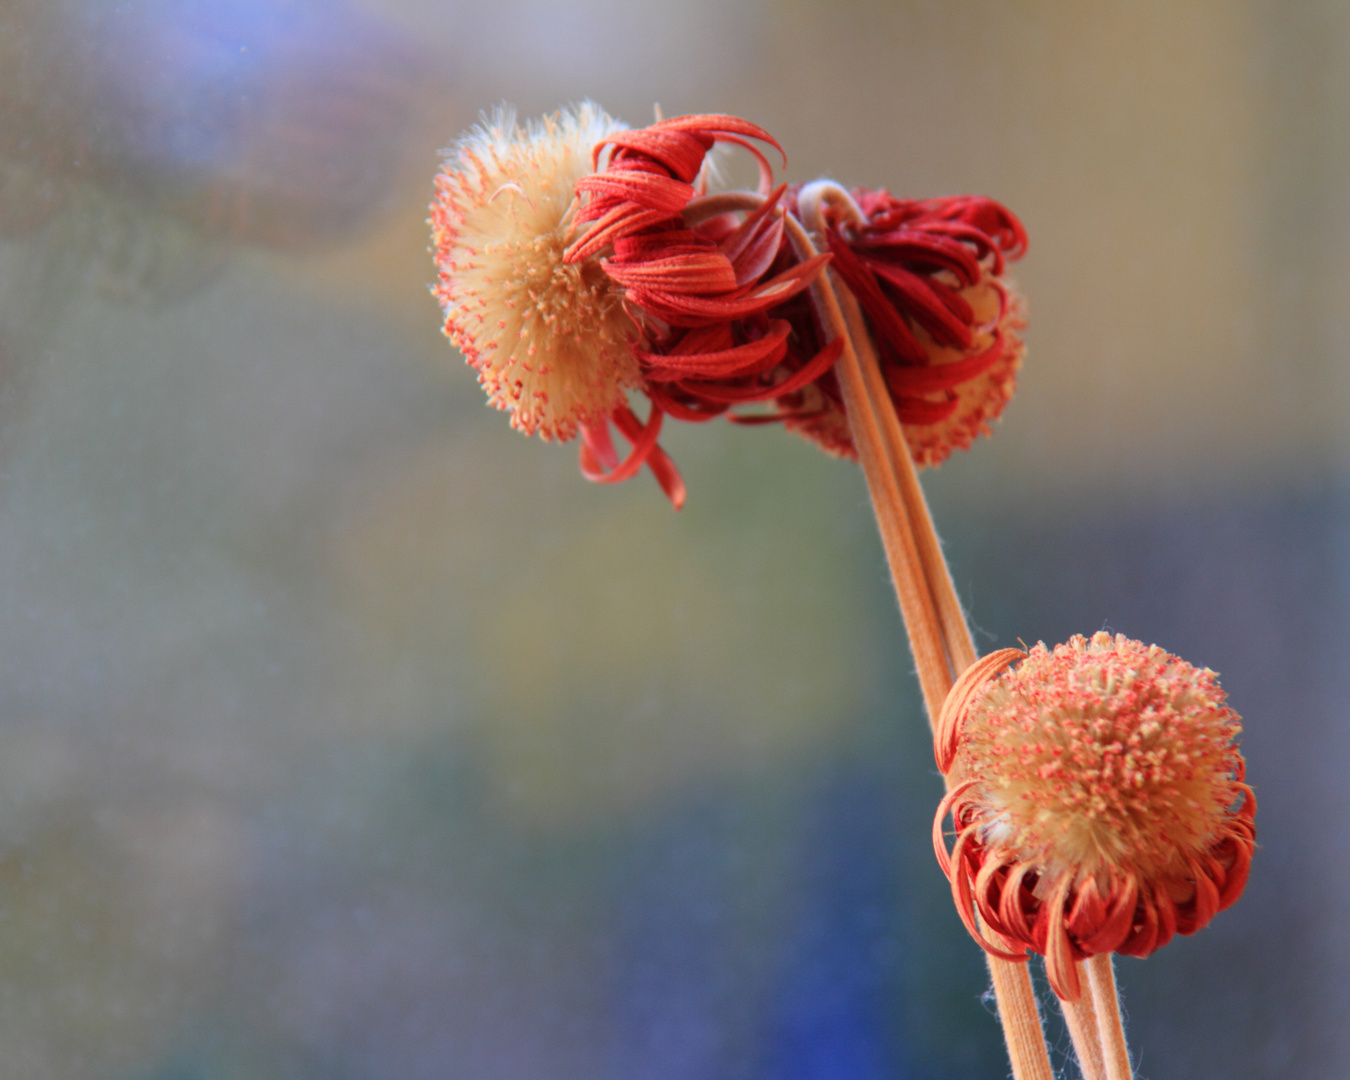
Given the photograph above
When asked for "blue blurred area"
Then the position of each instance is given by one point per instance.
(836, 1013)
(192, 86)
(267, 123)
(190, 72)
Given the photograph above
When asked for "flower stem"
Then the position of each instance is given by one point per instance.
(897, 533)
(1081, 1020)
(939, 638)
(1101, 979)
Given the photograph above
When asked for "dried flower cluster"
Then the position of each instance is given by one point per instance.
(1098, 798)
(579, 262)
(1096, 789)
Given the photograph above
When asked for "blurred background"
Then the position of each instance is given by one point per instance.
(346, 733)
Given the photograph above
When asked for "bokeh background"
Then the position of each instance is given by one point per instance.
(345, 733)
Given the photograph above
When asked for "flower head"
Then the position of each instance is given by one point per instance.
(579, 261)
(678, 272)
(573, 269)
(699, 277)
(1098, 797)
(930, 277)
(550, 339)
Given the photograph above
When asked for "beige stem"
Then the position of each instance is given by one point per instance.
(1018, 1011)
(1101, 979)
(955, 633)
(897, 535)
(1081, 1019)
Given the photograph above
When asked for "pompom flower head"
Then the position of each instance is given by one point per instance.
(1098, 798)
(549, 338)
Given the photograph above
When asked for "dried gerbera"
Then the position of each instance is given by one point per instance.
(930, 276)
(566, 288)
(698, 277)
(1098, 797)
(550, 339)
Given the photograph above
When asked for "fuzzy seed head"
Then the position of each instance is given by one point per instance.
(550, 341)
(1102, 757)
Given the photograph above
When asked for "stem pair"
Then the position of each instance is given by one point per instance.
(939, 637)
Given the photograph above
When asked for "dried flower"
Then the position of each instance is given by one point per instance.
(570, 275)
(698, 284)
(580, 261)
(930, 277)
(651, 173)
(550, 339)
(1098, 798)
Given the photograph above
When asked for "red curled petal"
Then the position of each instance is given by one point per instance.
(925, 249)
(680, 152)
(1236, 852)
(1088, 911)
(1143, 930)
(677, 239)
(939, 309)
(745, 395)
(621, 220)
(682, 310)
(960, 882)
(702, 274)
(814, 369)
(753, 245)
(992, 218)
(596, 438)
(751, 358)
(886, 319)
(1012, 908)
(948, 728)
(1206, 903)
(987, 887)
(695, 412)
(1061, 968)
(668, 476)
(937, 378)
(1167, 918)
(919, 411)
(1115, 927)
(649, 190)
(944, 807)
(765, 169)
(720, 125)
(696, 273)
(644, 452)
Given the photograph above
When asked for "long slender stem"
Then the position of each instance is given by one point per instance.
(1081, 1019)
(1080, 1016)
(1094, 1021)
(955, 632)
(897, 536)
(1101, 980)
(928, 632)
